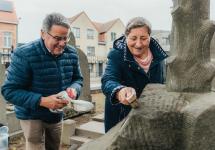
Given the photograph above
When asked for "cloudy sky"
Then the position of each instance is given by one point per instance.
(32, 12)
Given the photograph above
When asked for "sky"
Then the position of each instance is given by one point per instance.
(32, 12)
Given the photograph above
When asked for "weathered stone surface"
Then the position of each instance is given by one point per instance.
(85, 94)
(165, 121)
(69, 126)
(212, 47)
(189, 67)
(199, 120)
(2, 101)
(72, 39)
(175, 120)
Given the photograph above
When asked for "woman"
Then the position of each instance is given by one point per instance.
(135, 60)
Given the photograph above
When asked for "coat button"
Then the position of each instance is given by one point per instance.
(138, 68)
(129, 66)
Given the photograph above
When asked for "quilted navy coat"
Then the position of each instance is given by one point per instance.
(122, 70)
(34, 72)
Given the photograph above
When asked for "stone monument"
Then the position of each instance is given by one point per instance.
(181, 116)
(2, 101)
(189, 67)
(85, 94)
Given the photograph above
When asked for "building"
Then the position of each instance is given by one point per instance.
(95, 39)
(8, 30)
(163, 38)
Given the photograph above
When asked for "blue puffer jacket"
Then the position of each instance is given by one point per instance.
(122, 70)
(34, 73)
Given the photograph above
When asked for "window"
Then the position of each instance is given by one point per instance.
(7, 39)
(100, 69)
(78, 46)
(113, 36)
(168, 40)
(90, 67)
(76, 32)
(90, 51)
(90, 34)
(157, 39)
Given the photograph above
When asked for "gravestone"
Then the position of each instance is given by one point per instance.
(8, 118)
(85, 94)
(2, 101)
(181, 115)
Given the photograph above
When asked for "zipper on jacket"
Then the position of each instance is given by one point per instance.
(59, 72)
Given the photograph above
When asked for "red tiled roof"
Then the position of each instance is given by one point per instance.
(97, 25)
(104, 27)
(72, 19)
(101, 27)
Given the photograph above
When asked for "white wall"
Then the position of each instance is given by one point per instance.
(118, 28)
(84, 23)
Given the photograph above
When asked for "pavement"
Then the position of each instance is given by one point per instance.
(95, 83)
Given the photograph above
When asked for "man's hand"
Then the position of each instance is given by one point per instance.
(125, 94)
(53, 102)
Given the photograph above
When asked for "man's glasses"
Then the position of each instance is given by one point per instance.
(59, 38)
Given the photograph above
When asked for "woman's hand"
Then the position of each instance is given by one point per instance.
(125, 94)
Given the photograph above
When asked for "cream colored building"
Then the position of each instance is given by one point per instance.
(163, 38)
(95, 39)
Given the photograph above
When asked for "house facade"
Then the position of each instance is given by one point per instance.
(8, 30)
(163, 38)
(95, 39)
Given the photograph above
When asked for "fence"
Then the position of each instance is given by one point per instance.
(5, 54)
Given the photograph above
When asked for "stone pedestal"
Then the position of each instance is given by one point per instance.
(69, 126)
(164, 121)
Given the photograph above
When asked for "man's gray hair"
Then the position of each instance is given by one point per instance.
(136, 23)
(54, 19)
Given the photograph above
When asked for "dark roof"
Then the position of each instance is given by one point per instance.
(6, 6)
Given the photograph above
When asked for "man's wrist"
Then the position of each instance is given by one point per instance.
(41, 103)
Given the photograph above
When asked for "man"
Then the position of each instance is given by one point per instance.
(38, 71)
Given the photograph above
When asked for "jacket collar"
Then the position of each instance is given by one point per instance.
(45, 50)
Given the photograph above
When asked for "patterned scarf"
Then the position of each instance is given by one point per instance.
(145, 63)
